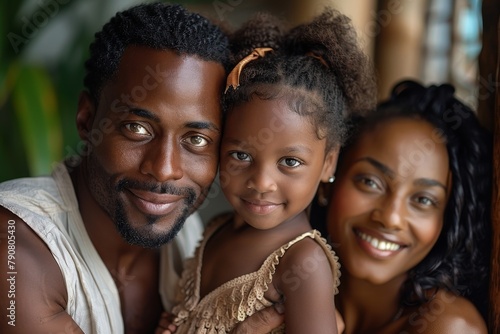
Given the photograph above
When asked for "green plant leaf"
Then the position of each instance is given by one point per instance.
(35, 105)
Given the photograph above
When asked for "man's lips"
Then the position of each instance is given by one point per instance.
(153, 203)
(260, 207)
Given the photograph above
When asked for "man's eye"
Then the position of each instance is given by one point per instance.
(240, 156)
(137, 129)
(290, 162)
(197, 141)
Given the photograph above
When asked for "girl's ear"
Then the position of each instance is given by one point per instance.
(85, 115)
(330, 164)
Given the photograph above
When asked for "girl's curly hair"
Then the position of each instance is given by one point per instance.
(318, 67)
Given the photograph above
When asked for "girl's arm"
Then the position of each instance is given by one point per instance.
(304, 277)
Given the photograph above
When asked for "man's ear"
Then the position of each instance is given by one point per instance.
(330, 164)
(85, 114)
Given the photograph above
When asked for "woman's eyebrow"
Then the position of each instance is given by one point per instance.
(429, 183)
(380, 166)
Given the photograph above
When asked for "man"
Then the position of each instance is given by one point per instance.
(150, 119)
(80, 249)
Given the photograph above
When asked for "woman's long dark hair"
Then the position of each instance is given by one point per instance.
(459, 261)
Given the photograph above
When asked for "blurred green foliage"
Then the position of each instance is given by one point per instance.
(32, 92)
(42, 51)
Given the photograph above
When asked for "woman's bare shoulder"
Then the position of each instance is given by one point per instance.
(445, 313)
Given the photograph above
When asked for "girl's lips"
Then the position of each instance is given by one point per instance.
(378, 246)
(153, 203)
(260, 207)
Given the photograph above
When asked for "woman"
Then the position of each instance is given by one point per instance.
(408, 216)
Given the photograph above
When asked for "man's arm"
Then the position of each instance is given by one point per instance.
(261, 322)
(33, 294)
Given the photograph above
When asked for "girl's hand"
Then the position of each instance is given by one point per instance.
(165, 325)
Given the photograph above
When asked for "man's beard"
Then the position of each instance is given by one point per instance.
(146, 236)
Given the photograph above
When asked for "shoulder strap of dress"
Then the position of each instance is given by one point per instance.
(273, 259)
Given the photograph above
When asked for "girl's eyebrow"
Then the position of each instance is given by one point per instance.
(296, 149)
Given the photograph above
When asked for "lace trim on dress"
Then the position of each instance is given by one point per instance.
(235, 300)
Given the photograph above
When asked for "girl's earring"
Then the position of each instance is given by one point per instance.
(331, 179)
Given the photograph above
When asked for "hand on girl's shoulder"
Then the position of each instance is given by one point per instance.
(445, 313)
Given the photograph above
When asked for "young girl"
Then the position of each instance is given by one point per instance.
(285, 105)
(409, 216)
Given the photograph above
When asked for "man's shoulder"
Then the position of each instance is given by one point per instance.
(28, 187)
(38, 195)
(33, 181)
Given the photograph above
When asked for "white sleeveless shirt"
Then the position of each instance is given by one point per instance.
(49, 206)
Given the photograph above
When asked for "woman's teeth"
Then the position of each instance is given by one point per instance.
(379, 244)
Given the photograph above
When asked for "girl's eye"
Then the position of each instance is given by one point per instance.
(197, 141)
(290, 162)
(241, 156)
(137, 129)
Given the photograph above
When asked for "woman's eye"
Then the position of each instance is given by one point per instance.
(197, 141)
(137, 129)
(240, 156)
(423, 200)
(370, 183)
(290, 162)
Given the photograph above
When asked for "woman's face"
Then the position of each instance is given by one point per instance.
(388, 200)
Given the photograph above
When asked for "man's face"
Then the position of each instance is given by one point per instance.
(154, 142)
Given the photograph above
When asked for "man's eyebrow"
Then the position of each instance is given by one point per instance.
(144, 114)
(380, 166)
(194, 125)
(203, 125)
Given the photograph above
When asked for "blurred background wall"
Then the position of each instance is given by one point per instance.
(44, 44)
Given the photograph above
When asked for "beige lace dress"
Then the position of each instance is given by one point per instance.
(221, 309)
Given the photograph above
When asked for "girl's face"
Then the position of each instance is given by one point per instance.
(388, 200)
(271, 162)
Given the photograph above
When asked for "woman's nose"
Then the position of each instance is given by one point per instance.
(391, 213)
